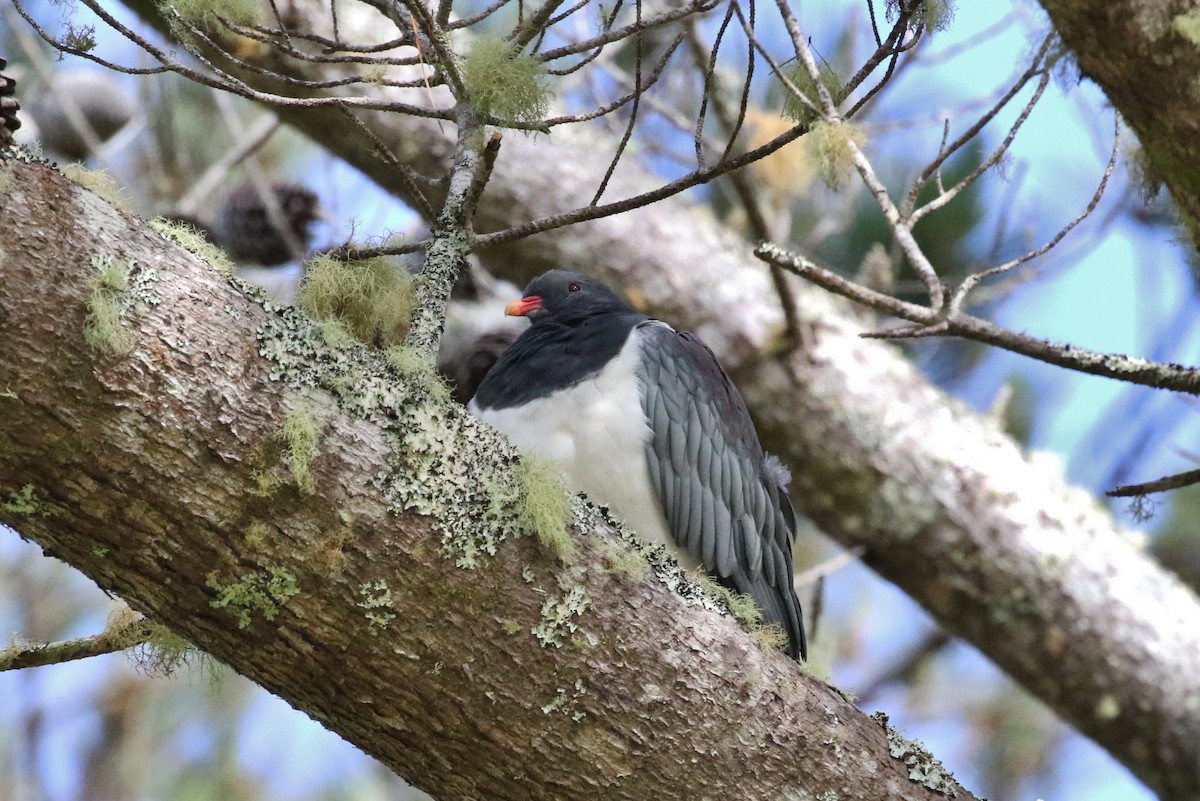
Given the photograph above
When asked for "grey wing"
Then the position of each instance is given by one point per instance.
(723, 504)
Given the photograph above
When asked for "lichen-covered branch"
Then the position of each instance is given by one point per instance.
(826, 413)
(388, 581)
(127, 633)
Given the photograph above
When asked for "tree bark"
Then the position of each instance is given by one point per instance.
(521, 677)
(944, 505)
(1145, 55)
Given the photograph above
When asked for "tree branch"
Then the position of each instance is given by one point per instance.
(393, 595)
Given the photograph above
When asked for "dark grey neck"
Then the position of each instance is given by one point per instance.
(555, 354)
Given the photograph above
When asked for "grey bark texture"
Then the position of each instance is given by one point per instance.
(521, 677)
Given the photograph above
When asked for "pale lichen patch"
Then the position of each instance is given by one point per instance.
(565, 701)
(923, 768)
(117, 288)
(559, 616)
(24, 502)
(375, 598)
(262, 593)
(97, 181)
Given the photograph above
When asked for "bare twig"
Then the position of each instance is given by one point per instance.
(971, 280)
(1172, 482)
(904, 668)
(929, 321)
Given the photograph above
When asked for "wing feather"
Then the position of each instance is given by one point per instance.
(722, 503)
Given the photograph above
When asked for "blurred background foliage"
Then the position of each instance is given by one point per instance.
(106, 728)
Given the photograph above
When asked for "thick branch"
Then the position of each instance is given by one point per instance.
(1145, 55)
(521, 677)
(828, 420)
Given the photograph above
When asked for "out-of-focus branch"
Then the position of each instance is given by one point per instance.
(1172, 482)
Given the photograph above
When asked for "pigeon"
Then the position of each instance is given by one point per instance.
(642, 418)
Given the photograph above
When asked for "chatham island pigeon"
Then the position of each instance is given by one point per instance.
(643, 419)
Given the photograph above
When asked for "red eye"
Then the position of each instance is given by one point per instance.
(574, 286)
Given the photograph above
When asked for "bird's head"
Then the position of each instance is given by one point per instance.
(561, 294)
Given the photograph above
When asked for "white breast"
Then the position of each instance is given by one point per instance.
(597, 432)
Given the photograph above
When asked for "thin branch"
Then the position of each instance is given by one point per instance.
(633, 111)
(904, 668)
(946, 195)
(1164, 484)
(747, 196)
(480, 179)
(1109, 365)
(828, 567)
(1038, 67)
(407, 176)
(636, 92)
(582, 214)
(115, 638)
(620, 34)
(252, 140)
(971, 280)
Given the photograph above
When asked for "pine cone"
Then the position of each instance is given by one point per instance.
(244, 228)
(8, 107)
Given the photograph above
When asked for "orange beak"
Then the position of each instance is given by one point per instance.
(522, 307)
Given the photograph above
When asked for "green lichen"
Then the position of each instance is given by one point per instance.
(1187, 25)
(565, 701)
(207, 14)
(1107, 708)
(414, 366)
(300, 435)
(770, 637)
(99, 182)
(503, 83)
(621, 560)
(932, 15)
(510, 627)
(7, 181)
(545, 506)
(742, 607)
(193, 242)
(830, 147)
(375, 597)
(796, 109)
(78, 37)
(559, 616)
(100, 551)
(373, 299)
(293, 446)
(24, 502)
(165, 653)
(105, 330)
(257, 534)
(262, 593)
